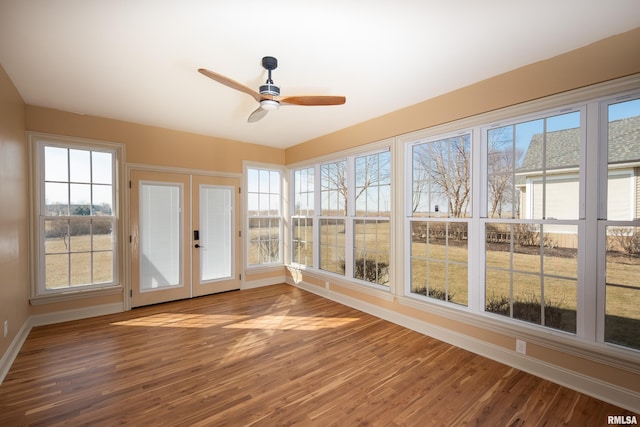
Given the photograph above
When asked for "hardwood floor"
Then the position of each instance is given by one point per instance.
(270, 356)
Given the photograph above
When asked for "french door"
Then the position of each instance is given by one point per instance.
(184, 236)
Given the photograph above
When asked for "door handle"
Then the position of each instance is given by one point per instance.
(197, 246)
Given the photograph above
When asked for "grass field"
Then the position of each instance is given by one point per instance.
(70, 262)
(430, 266)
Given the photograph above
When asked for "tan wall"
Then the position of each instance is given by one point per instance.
(607, 59)
(14, 248)
(152, 145)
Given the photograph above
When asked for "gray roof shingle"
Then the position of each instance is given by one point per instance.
(563, 146)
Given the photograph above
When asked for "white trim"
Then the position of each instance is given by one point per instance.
(604, 391)
(47, 319)
(184, 171)
(75, 314)
(76, 295)
(10, 355)
(35, 143)
(259, 283)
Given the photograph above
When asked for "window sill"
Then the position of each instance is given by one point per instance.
(75, 295)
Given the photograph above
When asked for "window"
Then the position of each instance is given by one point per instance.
(264, 216)
(302, 218)
(622, 224)
(352, 221)
(439, 218)
(371, 231)
(533, 211)
(333, 212)
(77, 218)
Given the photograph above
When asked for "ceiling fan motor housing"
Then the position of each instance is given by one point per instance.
(270, 89)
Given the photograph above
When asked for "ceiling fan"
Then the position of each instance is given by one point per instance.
(268, 95)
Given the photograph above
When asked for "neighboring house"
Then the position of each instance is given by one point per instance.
(562, 175)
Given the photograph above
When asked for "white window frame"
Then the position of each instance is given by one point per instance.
(39, 293)
(600, 212)
(280, 217)
(294, 215)
(349, 157)
(410, 218)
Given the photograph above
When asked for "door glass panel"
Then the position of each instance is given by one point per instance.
(160, 235)
(216, 223)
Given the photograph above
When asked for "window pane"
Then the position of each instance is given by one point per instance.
(80, 269)
(80, 166)
(56, 236)
(56, 164)
(439, 266)
(264, 240)
(622, 317)
(442, 178)
(160, 237)
(531, 273)
(101, 167)
(302, 248)
(103, 267)
(371, 248)
(252, 180)
(532, 169)
(373, 183)
(304, 191)
(56, 199)
(623, 148)
(57, 271)
(216, 233)
(80, 202)
(102, 199)
(333, 189)
(332, 245)
(102, 234)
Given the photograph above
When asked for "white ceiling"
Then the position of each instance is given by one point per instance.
(137, 60)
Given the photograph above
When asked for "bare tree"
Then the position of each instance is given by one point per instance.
(446, 165)
(501, 164)
(370, 171)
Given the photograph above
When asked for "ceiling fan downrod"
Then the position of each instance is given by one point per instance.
(269, 63)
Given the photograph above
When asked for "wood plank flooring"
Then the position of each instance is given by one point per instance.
(271, 356)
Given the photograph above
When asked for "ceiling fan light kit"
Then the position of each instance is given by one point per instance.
(269, 104)
(268, 95)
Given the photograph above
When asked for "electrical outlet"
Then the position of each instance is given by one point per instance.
(6, 328)
(521, 346)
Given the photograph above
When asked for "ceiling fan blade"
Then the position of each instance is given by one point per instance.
(314, 100)
(257, 115)
(230, 83)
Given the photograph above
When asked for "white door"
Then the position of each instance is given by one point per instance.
(184, 240)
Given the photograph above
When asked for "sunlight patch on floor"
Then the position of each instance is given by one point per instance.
(182, 320)
(299, 323)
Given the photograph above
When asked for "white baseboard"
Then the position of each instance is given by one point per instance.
(14, 348)
(594, 387)
(47, 319)
(76, 314)
(263, 282)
